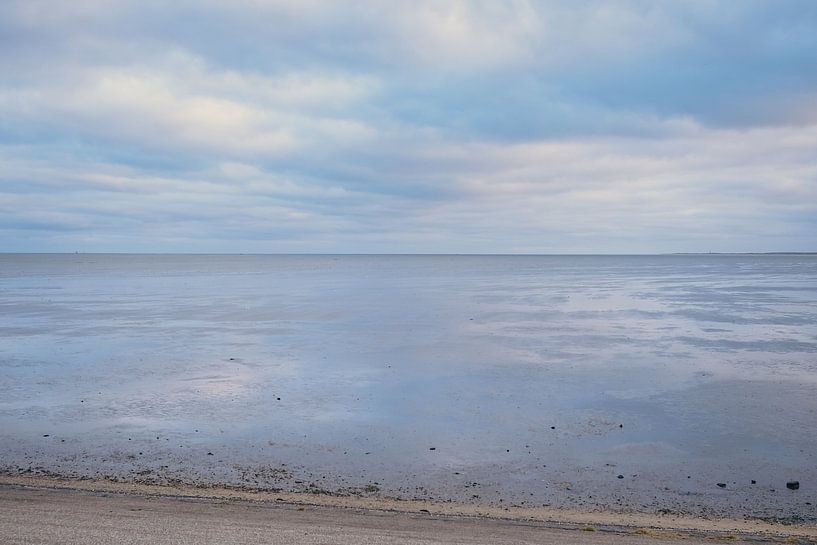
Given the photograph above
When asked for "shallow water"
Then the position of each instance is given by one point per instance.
(534, 379)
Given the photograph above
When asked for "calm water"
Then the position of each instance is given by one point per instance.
(535, 380)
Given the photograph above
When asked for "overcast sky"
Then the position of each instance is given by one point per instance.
(404, 127)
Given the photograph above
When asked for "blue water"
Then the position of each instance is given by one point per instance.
(539, 378)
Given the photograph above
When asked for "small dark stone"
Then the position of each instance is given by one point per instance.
(553, 427)
(754, 481)
(621, 476)
(208, 454)
(46, 435)
(432, 448)
(793, 485)
(621, 425)
(278, 398)
(722, 485)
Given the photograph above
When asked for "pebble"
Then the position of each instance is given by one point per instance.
(793, 485)
(722, 485)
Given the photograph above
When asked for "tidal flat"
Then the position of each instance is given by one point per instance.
(671, 384)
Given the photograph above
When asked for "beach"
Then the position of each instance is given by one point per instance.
(50, 511)
(505, 271)
(628, 385)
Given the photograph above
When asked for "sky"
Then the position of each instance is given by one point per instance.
(264, 126)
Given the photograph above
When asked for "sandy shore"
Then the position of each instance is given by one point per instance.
(658, 526)
(625, 384)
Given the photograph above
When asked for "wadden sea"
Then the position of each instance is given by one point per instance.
(679, 383)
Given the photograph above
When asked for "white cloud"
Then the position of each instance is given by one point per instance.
(461, 126)
(184, 104)
(701, 187)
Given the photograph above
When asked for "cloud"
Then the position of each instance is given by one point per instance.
(183, 104)
(445, 127)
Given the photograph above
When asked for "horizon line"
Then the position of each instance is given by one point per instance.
(430, 254)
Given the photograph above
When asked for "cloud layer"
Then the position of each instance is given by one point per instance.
(534, 127)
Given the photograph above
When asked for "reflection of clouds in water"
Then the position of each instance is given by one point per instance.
(234, 384)
(622, 300)
(262, 387)
(646, 450)
(636, 393)
(239, 377)
(322, 396)
(394, 355)
(333, 414)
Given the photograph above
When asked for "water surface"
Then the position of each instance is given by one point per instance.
(492, 379)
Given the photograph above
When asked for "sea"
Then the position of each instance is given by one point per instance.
(666, 383)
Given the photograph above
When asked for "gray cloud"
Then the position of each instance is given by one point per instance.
(458, 127)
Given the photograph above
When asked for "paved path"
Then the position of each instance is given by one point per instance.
(37, 516)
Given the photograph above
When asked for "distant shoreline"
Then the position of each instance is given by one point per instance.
(310, 254)
(742, 253)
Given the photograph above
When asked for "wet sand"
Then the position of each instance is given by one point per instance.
(42, 510)
(651, 384)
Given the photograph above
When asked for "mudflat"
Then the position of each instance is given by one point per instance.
(654, 384)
